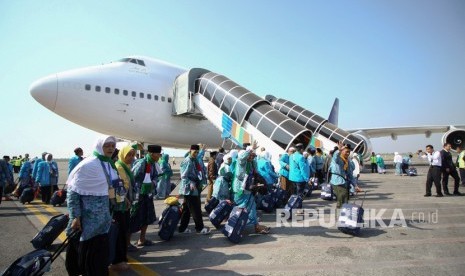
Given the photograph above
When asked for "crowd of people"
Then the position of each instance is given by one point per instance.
(113, 187)
(32, 173)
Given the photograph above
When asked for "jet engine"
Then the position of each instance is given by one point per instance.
(456, 137)
(367, 147)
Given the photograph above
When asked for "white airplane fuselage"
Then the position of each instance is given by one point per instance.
(73, 95)
(133, 99)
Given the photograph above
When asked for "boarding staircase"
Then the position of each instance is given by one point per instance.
(240, 115)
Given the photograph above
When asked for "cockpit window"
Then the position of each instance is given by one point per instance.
(133, 60)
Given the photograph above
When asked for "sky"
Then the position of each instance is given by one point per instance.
(390, 62)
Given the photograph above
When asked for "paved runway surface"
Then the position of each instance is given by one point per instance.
(431, 240)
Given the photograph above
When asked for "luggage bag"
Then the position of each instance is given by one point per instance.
(168, 222)
(295, 201)
(412, 172)
(36, 262)
(351, 218)
(58, 197)
(222, 211)
(211, 204)
(279, 195)
(27, 196)
(50, 232)
(236, 222)
(266, 203)
(327, 191)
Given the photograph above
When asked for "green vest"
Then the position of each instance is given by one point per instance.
(461, 161)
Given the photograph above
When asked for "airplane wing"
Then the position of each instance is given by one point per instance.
(393, 132)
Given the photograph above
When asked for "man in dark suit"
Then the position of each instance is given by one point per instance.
(448, 168)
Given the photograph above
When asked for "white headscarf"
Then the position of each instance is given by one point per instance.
(225, 166)
(226, 157)
(266, 155)
(233, 153)
(88, 178)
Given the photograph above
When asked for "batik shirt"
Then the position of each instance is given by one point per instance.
(94, 212)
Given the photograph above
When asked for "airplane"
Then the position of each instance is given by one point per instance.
(147, 100)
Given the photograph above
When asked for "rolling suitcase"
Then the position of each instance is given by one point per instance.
(236, 224)
(279, 195)
(50, 232)
(168, 222)
(295, 202)
(412, 172)
(351, 218)
(210, 205)
(266, 203)
(58, 197)
(36, 262)
(327, 191)
(27, 196)
(222, 211)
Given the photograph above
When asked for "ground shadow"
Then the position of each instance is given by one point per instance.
(193, 260)
(16, 214)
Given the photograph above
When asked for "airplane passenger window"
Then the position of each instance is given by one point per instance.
(141, 95)
(149, 96)
(87, 86)
(97, 88)
(107, 89)
(155, 97)
(162, 98)
(125, 92)
(169, 99)
(134, 94)
(116, 91)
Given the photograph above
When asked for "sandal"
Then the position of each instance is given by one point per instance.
(262, 230)
(145, 243)
(205, 231)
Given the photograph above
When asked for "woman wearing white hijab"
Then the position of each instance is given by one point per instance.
(89, 210)
(225, 166)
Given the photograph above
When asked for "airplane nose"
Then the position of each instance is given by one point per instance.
(45, 91)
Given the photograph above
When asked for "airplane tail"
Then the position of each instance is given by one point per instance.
(334, 114)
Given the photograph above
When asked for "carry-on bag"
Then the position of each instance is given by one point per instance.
(351, 218)
(220, 213)
(50, 232)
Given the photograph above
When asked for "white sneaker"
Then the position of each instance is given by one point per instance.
(205, 231)
(187, 231)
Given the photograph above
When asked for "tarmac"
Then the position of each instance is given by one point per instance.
(405, 234)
